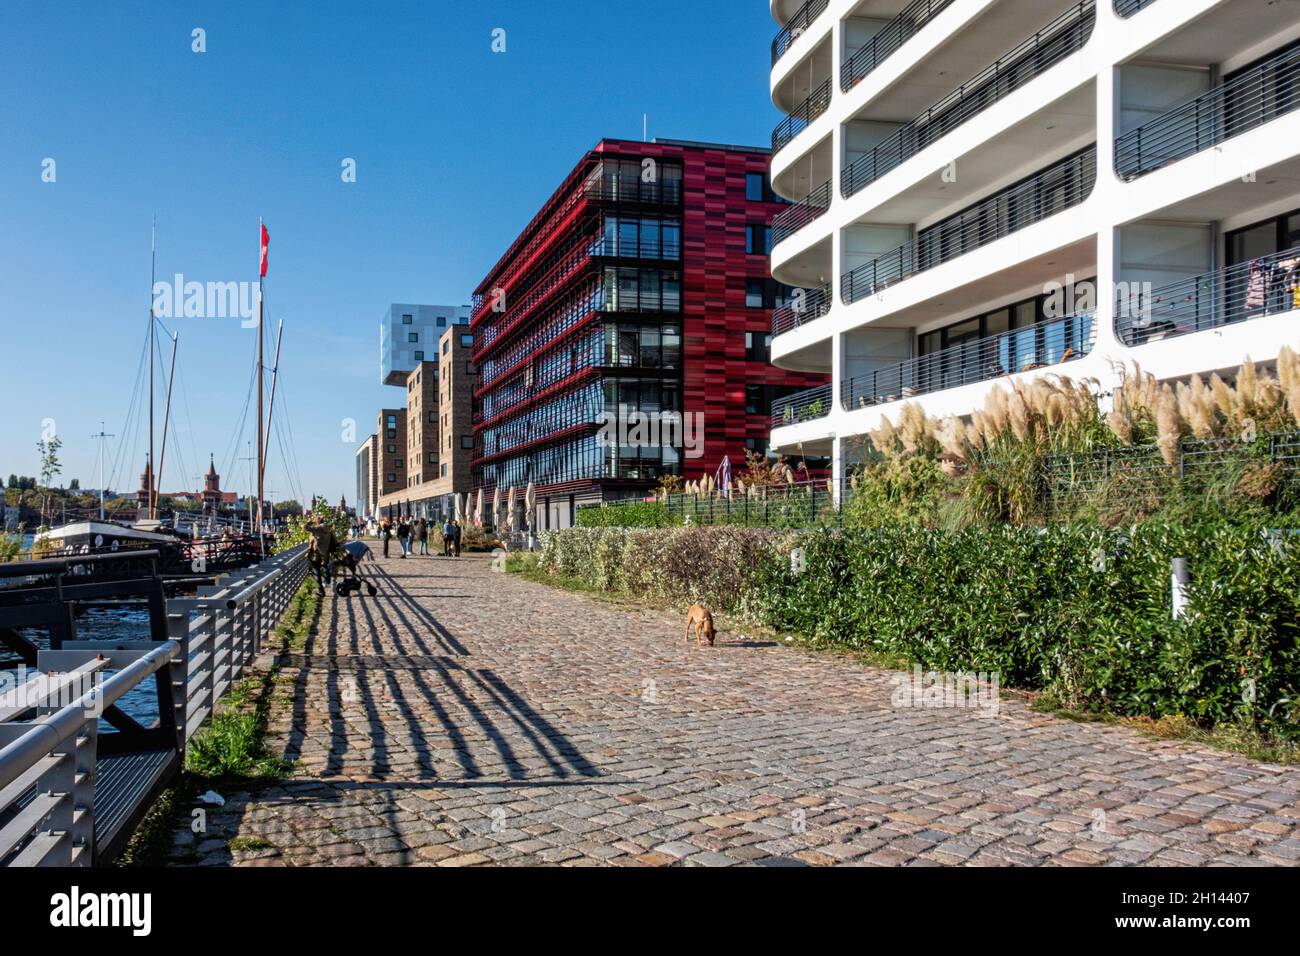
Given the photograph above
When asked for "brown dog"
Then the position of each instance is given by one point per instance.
(701, 619)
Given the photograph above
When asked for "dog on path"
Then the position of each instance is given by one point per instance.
(700, 619)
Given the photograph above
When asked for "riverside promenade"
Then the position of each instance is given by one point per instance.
(465, 716)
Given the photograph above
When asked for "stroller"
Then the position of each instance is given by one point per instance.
(347, 576)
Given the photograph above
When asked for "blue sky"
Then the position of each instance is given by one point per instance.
(455, 149)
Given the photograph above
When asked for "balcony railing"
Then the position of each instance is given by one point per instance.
(800, 22)
(1246, 102)
(797, 215)
(1063, 36)
(1055, 189)
(1045, 343)
(807, 111)
(1126, 8)
(898, 31)
(610, 186)
(812, 304)
(802, 407)
(1248, 290)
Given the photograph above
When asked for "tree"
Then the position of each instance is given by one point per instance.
(13, 481)
(50, 466)
(74, 484)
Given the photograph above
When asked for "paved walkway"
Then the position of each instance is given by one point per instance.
(470, 717)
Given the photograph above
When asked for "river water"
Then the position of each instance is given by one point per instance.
(120, 623)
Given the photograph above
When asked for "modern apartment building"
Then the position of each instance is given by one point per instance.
(436, 430)
(643, 285)
(409, 334)
(986, 190)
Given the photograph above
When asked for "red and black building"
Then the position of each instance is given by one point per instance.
(643, 283)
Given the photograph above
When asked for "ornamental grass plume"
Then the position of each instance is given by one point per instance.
(1169, 426)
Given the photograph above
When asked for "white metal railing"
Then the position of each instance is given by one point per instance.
(50, 764)
(223, 627)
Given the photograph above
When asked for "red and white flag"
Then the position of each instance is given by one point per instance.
(266, 244)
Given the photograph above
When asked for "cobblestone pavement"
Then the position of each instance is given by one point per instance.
(468, 717)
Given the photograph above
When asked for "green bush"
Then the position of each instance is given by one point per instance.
(631, 514)
(1078, 610)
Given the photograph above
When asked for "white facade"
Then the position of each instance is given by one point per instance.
(959, 167)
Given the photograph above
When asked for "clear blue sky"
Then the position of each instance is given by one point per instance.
(455, 146)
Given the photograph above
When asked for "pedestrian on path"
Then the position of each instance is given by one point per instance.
(422, 535)
(455, 537)
(448, 534)
(404, 535)
(386, 532)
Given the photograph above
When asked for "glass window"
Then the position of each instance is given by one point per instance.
(467, 340)
(419, 356)
(754, 293)
(1253, 243)
(413, 336)
(997, 322)
(466, 441)
(672, 241)
(442, 321)
(755, 184)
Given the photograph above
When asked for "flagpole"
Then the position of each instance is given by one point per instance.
(261, 451)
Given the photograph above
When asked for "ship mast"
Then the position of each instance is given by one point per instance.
(149, 469)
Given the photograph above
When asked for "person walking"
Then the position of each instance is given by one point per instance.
(404, 535)
(448, 533)
(386, 532)
(422, 535)
(455, 537)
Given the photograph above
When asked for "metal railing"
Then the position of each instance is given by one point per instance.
(805, 305)
(1268, 285)
(1040, 345)
(800, 22)
(794, 217)
(898, 31)
(1055, 189)
(1126, 8)
(1065, 35)
(1246, 102)
(1144, 470)
(58, 772)
(817, 102)
(805, 406)
(799, 504)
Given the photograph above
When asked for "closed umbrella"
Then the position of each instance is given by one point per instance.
(478, 510)
(530, 505)
(496, 510)
(510, 510)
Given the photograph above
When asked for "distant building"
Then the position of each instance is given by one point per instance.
(409, 334)
(368, 477)
(439, 430)
(391, 470)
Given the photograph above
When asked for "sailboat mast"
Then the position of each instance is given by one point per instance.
(149, 469)
(261, 449)
(270, 408)
(167, 410)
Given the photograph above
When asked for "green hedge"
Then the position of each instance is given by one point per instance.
(798, 507)
(632, 514)
(1080, 611)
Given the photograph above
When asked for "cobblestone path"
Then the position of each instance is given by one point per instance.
(466, 717)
